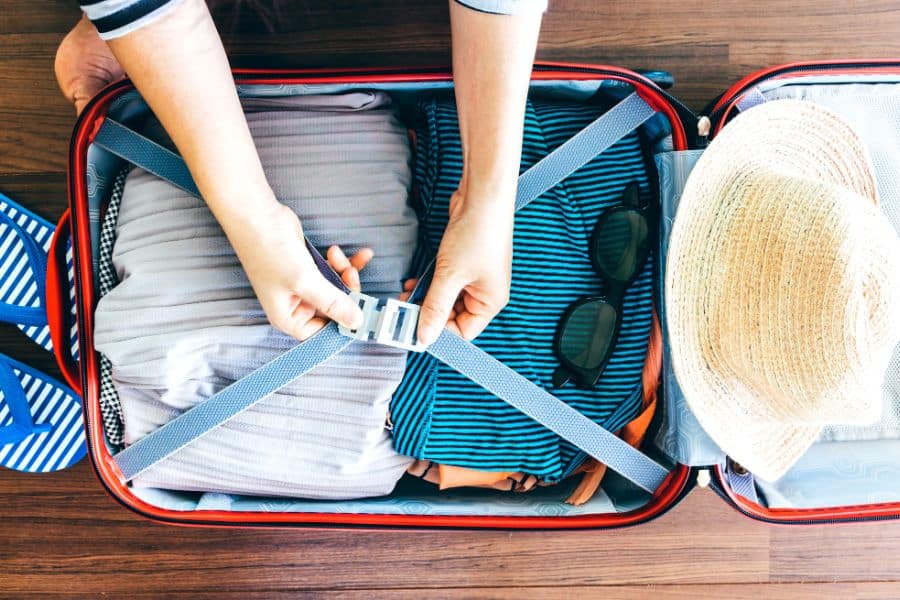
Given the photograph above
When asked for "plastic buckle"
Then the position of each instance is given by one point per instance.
(393, 324)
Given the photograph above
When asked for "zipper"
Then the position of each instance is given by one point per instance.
(721, 105)
(689, 119)
(703, 478)
(696, 127)
(721, 488)
(72, 192)
(541, 67)
(678, 104)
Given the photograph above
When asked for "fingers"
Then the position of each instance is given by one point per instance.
(302, 321)
(479, 310)
(350, 277)
(362, 258)
(349, 269)
(337, 259)
(408, 286)
(331, 302)
(439, 302)
(303, 312)
(340, 263)
(305, 329)
(471, 315)
(471, 325)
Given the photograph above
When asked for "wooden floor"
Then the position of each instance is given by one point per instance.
(62, 534)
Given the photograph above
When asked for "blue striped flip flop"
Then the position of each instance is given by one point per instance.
(41, 425)
(24, 243)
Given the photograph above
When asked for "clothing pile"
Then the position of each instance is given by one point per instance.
(195, 326)
(438, 414)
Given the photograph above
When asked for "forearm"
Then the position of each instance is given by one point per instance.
(179, 66)
(492, 61)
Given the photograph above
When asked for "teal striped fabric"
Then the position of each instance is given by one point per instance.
(439, 414)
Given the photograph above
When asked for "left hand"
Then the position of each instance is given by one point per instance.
(473, 269)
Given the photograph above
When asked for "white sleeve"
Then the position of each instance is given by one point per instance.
(115, 18)
(505, 7)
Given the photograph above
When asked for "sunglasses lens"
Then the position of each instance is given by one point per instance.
(587, 334)
(620, 245)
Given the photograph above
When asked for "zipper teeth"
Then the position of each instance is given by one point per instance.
(683, 108)
(715, 115)
(669, 97)
(719, 486)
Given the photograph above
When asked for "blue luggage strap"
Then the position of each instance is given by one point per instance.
(394, 323)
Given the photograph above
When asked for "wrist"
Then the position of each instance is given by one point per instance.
(248, 212)
(495, 190)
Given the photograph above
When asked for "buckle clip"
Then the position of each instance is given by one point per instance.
(392, 324)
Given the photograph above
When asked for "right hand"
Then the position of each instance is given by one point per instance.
(85, 64)
(472, 270)
(296, 297)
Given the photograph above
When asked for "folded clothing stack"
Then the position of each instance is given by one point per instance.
(184, 322)
(440, 415)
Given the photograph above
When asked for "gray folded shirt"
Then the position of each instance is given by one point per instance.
(184, 321)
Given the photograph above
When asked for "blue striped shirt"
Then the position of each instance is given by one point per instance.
(439, 414)
(115, 18)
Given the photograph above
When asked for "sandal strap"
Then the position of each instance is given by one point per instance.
(37, 260)
(14, 395)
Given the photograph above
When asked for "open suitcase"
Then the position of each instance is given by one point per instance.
(678, 442)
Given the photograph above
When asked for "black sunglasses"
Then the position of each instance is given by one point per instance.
(588, 330)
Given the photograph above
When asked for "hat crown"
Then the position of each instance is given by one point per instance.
(800, 304)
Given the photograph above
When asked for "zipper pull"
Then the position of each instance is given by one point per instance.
(703, 478)
(704, 126)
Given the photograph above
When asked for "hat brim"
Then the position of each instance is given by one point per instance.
(794, 138)
(782, 447)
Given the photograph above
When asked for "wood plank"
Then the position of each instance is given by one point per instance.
(807, 591)
(863, 552)
(121, 553)
(747, 591)
(42, 193)
(45, 16)
(37, 119)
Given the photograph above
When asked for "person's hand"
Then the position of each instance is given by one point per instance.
(296, 297)
(85, 64)
(472, 270)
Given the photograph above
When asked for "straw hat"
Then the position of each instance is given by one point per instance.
(782, 285)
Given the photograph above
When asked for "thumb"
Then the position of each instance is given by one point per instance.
(332, 302)
(439, 301)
